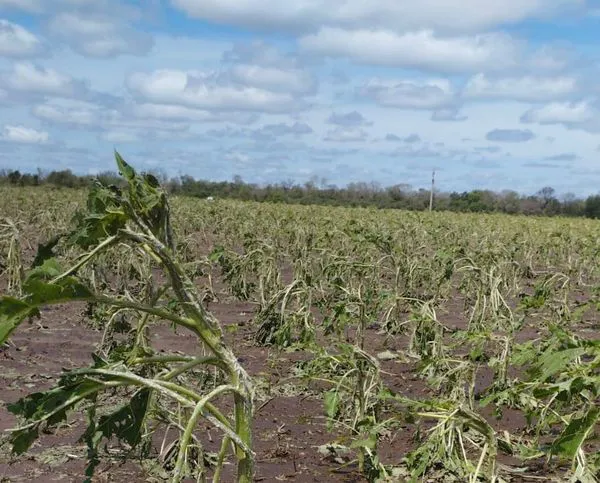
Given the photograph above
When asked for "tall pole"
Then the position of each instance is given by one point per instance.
(432, 188)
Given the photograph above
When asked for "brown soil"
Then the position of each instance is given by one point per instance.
(287, 429)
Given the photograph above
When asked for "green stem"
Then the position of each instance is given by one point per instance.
(189, 429)
(105, 244)
(220, 458)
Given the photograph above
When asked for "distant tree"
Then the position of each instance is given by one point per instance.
(550, 205)
(14, 177)
(572, 206)
(592, 206)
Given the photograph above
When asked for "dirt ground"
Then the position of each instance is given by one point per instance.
(288, 429)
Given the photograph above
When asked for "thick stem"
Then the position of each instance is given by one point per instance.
(243, 428)
(209, 330)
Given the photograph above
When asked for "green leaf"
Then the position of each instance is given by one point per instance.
(40, 405)
(126, 423)
(553, 362)
(49, 407)
(46, 250)
(96, 227)
(38, 292)
(332, 399)
(12, 312)
(47, 270)
(22, 440)
(127, 171)
(575, 434)
(67, 289)
(370, 443)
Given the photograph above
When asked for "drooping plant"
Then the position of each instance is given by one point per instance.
(156, 389)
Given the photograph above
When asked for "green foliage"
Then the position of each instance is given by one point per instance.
(475, 310)
(137, 217)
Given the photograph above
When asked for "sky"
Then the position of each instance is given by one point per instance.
(492, 95)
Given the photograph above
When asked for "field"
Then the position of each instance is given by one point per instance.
(295, 343)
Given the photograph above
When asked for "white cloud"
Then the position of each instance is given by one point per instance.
(510, 135)
(395, 14)
(119, 137)
(16, 41)
(93, 117)
(207, 91)
(80, 115)
(99, 35)
(181, 113)
(422, 49)
(24, 135)
(274, 78)
(27, 77)
(346, 134)
(349, 119)
(448, 114)
(569, 113)
(526, 88)
(410, 94)
(552, 58)
(32, 6)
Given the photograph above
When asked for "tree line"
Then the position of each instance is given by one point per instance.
(400, 196)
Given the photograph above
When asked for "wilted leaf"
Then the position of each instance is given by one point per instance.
(65, 290)
(12, 312)
(22, 440)
(575, 434)
(127, 171)
(552, 362)
(45, 251)
(332, 399)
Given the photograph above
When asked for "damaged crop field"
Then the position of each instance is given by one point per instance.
(148, 338)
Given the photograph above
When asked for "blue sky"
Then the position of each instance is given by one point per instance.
(493, 95)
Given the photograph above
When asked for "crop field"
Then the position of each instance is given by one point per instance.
(148, 338)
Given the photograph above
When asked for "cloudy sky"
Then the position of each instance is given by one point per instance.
(495, 95)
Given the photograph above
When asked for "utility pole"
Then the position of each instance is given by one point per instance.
(431, 193)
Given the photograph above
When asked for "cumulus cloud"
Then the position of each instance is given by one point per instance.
(18, 42)
(510, 135)
(275, 79)
(451, 114)
(31, 6)
(207, 91)
(568, 113)
(409, 94)
(75, 116)
(413, 138)
(99, 34)
(23, 135)
(172, 112)
(562, 157)
(268, 133)
(421, 49)
(93, 117)
(349, 119)
(526, 88)
(119, 136)
(451, 15)
(30, 78)
(283, 129)
(410, 139)
(344, 134)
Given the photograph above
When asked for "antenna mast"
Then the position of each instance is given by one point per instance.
(432, 189)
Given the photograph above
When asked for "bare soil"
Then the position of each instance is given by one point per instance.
(288, 429)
